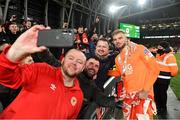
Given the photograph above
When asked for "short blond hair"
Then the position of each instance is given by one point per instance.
(117, 31)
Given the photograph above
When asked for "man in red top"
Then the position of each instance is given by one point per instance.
(47, 92)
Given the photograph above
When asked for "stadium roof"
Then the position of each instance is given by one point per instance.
(151, 10)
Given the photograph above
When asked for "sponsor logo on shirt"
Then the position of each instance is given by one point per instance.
(53, 86)
(148, 53)
(73, 101)
(129, 69)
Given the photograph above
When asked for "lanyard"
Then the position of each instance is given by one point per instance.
(124, 68)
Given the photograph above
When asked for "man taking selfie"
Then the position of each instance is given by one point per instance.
(47, 92)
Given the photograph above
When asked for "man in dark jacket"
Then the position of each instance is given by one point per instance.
(92, 94)
(106, 59)
(13, 32)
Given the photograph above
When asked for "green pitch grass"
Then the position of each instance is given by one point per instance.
(175, 81)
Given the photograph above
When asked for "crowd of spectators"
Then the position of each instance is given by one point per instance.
(86, 40)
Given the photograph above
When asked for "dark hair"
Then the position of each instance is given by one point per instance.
(25, 21)
(13, 23)
(80, 26)
(93, 57)
(104, 40)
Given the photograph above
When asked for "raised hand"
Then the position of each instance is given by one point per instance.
(97, 19)
(25, 44)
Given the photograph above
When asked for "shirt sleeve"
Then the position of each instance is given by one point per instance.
(114, 72)
(152, 66)
(172, 64)
(14, 75)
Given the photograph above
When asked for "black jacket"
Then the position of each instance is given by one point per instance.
(92, 94)
(12, 37)
(105, 65)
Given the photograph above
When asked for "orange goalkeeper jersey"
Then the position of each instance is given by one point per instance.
(142, 69)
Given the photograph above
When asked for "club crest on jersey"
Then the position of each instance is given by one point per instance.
(73, 101)
(148, 53)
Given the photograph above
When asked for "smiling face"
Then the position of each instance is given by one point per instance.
(92, 67)
(73, 63)
(102, 48)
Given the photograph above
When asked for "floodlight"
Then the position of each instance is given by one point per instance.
(141, 2)
(113, 8)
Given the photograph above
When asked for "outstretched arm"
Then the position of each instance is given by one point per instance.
(26, 44)
(12, 75)
(93, 27)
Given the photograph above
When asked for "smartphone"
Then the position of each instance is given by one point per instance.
(56, 38)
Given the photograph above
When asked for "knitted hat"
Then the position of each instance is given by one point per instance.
(164, 44)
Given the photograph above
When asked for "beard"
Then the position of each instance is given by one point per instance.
(120, 48)
(67, 72)
(89, 74)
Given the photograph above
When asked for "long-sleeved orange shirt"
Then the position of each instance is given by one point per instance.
(142, 69)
